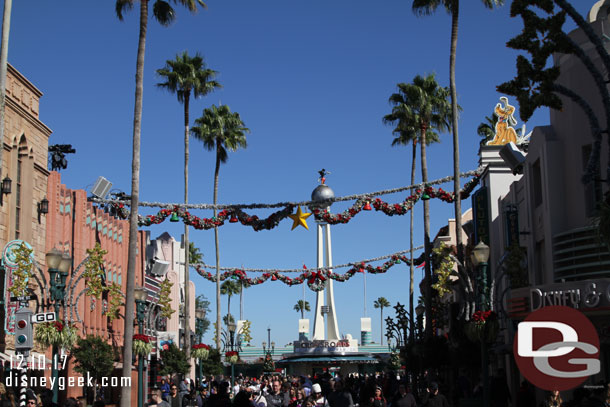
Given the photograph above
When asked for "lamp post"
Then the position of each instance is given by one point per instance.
(140, 296)
(479, 258)
(268, 351)
(231, 344)
(58, 263)
(397, 333)
(199, 319)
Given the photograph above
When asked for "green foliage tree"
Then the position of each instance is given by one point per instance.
(406, 133)
(220, 131)
(184, 76)
(173, 360)
(201, 302)
(426, 7)
(95, 357)
(165, 15)
(381, 303)
(195, 255)
(425, 111)
(302, 306)
(213, 364)
(229, 288)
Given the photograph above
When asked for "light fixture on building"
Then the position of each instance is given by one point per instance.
(43, 207)
(5, 189)
(53, 258)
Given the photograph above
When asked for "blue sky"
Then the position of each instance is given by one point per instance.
(311, 80)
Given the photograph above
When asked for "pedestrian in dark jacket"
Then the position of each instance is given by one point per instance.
(403, 397)
(433, 398)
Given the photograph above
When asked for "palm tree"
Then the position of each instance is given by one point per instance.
(242, 285)
(407, 132)
(164, 14)
(229, 288)
(6, 27)
(487, 129)
(219, 130)
(195, 255)
(381, 303)
(426, 111)
(302, 306)
(427, 7)
(183, 76)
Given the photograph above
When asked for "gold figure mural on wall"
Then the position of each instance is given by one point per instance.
(505, 133)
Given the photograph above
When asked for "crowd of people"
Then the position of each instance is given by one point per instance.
(384, 390)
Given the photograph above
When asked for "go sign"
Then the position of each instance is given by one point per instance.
(43, 317)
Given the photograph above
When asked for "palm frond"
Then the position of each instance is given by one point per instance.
(121, 6)
(163, 12)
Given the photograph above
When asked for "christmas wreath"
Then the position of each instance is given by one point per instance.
(200, 351)
(55, 333)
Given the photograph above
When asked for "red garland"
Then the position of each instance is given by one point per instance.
(201, 346)
(484, 316)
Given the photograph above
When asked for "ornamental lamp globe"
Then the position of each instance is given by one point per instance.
(65, 263)
(321, 194)
(139, 294)
(200, 313)
(53, 258)
(232, 327)
(480, 254)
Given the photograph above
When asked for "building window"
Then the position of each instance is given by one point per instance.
(537, 183)
(593, 190)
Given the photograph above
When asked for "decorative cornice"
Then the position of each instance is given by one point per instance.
(14, 72)
(29, 117)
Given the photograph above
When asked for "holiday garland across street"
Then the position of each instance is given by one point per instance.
(234, 214)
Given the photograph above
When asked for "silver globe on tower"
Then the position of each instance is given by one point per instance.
(319, 195)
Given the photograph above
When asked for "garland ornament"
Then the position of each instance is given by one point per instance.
(234, 212)
(55, 333)
(232, 357)
(142, 345)
(299, 218)
(315, 279)
(200, 351)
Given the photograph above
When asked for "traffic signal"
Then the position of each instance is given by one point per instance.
(24, 334)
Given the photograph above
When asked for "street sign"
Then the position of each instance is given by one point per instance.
(23, 298)
(43, 317)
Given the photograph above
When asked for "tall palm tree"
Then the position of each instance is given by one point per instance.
(242, 285)
(426, 110)
(302, 306)
(184, 76)
(381, 303)
(229, 288)
(164, 14)
(487, 129)
(219, 130)
(407, 132)
(6, 27)
(427, 7)
(195, 255)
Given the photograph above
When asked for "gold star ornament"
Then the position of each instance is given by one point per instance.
(299, 219)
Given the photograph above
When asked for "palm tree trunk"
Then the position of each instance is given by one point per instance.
(241, 300)
(228, 307)
(303, 311)
(6, 27)
(187, 295)
(381, 327)
(427, 268)
(411, 265)
(218, 317)
(455, 11)
(133, 219)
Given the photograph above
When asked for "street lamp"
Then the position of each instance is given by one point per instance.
(231, 344)
(479, 258)
(199, 320)
(140, 296)
(59, 264)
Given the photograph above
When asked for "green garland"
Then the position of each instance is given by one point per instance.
(94, 271)
(115, 302)
(23, 271)
(55, 333)
(443, 269)
(164, 298)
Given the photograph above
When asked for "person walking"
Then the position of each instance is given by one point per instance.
(433, 398)
(276, 398)
(164, 387)
(378, 400)
(157, 399)
(403, 397)
(317, 398)
(340, 396)
(175, 399)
